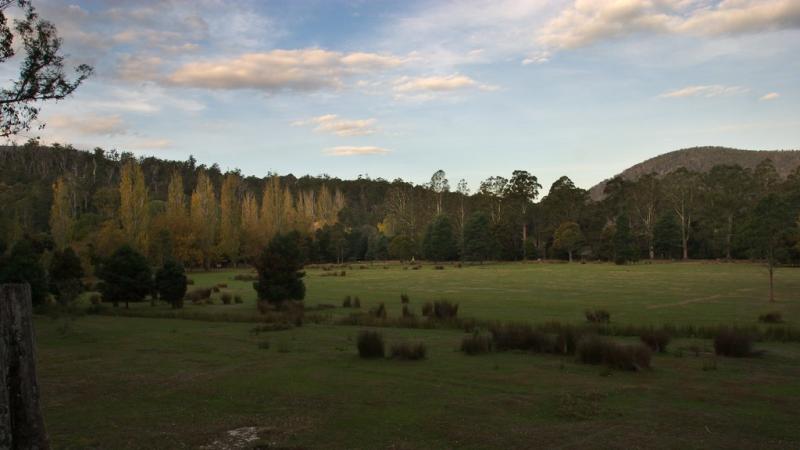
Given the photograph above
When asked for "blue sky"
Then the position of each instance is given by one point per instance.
(401, 89)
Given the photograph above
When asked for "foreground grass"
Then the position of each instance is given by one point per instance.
(696, 293)
(111, 382)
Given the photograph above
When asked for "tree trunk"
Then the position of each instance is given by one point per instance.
(21, 423)
(729, 237)
(524, 241)
(570, 255)
(771, 281)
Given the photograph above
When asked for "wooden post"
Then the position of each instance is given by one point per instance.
(21, 422)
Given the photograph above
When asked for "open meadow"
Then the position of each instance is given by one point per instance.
(135, 382)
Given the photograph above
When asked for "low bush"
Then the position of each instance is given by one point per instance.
(95, 299)
(215, 289)
(438, 268)
(599, 350)
(404, 299)
(408, 350)
(246, 277)
(198, 295)
(237, 299)
(598, 316)
(379, 312)
(226, 298)
(356, 302)
(263, 345)
(771, 317)
(407, 312)
(475, 344)
(342, 273)
(222, 285)
(370, 344)
(521, 336)
(427, 309)
(189, 282)
(347, 302)
(445, 310)
(733, 342)
(657, 340)
(263, 306)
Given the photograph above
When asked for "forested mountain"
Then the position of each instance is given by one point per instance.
(97, 201)
(703, 159)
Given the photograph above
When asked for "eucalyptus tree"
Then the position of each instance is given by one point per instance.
(522, 189)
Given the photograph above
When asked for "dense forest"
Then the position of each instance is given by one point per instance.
(97, 201)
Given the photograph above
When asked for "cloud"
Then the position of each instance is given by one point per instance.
(586, 22)
(346, 150)
(149, 144)
(88, 125)
(770, 96)
(281, 70)
(715, 90)
(331, 123)
(438, 84)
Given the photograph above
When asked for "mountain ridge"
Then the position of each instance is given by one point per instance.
(702, 159)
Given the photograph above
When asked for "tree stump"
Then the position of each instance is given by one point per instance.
(21, 422)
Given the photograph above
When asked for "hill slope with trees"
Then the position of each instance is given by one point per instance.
(703, 159)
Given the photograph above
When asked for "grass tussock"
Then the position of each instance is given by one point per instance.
(226, 298)
(476, 344)
(521, 336)
(445, 310)
(370, 344)
(771, 317)
(347, 302)
(734, 343)
(378, 312)
(600, 350)
(410, 351)
(404, 299)
(598, 316)
(657, 340)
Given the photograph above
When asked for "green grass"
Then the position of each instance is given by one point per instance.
(117, 382)
(110, 382)
(681, 293)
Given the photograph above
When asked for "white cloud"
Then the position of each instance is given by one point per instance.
(90, 124)
(345, 150)
(331, 123)
(278, 70)
(438, 84)
(149, 144)
(770, 96)
(715, 90)
(586, 22)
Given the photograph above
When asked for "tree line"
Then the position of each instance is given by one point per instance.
(96, 202)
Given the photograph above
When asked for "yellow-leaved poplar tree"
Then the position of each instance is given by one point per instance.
(133, 210)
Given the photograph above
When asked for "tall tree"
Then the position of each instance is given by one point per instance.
(568, 237)
(493, 190)
(439, 185)
(41, 75)
(176, 198)
(769, 231)
(522, 189)
(62, 214)
(730, 194)
(624, 249)
(440, 242)
(682, 192)
(204, 215)
(133, 210)
(645, 201)
(477, 237)
(230, 217)
(280, 270)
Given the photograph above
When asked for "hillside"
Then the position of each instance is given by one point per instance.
(702, 159)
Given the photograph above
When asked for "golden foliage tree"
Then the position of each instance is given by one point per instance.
(133, 210)
(230, 217)
(62, 212)
(204, 216)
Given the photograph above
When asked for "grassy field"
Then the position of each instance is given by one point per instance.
(116, 382)
(680, 293)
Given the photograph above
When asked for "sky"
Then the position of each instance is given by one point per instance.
(401, 89)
